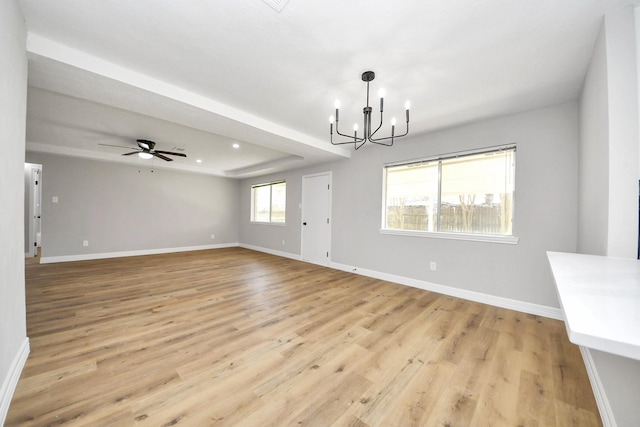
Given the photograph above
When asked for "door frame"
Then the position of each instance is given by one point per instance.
(313, 175)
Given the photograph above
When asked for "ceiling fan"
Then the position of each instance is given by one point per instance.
(146, 150)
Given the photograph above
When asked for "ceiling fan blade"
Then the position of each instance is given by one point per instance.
(171, 153)
(155, 153)
(133, 152)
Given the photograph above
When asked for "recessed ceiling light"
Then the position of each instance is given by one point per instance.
(236, 145)
(198, 161)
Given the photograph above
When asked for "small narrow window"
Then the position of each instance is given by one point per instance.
(471, 193)
(268, 202)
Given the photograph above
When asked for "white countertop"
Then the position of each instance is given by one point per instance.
(600, 299)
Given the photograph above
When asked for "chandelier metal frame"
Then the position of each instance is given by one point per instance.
(358, 142)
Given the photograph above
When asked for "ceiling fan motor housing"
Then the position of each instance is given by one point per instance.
(146, 144)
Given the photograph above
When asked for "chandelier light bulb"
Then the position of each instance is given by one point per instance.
(393, 121)
(331, 119)
(337, 104)
(407, 105)
(355, 127)
(381, 93)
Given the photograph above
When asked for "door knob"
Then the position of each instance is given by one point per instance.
(304, 223)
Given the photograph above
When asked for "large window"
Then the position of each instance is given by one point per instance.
(268, 202)
(468, 193)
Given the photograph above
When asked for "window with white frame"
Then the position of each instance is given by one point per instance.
(268, 202)
(467, 193)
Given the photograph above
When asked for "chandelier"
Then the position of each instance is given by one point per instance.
(369, 133)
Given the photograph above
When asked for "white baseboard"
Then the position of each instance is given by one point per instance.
(11, 381)
(271, 251)
(606, 413)
(525, 307)
(84, 257)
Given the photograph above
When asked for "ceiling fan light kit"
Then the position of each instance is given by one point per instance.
(146, 150)
(368, 131)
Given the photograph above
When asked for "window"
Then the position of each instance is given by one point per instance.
(268, 202)
(468, 193)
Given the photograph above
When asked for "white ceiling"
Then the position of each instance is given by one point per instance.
(204, 74)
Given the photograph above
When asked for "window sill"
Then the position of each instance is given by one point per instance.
(487, 238)
(277, 224)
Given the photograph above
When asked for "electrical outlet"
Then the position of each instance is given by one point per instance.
(85, 243)
(432, 266)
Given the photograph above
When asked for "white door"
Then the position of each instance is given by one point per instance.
(37, 205)
(316, 218)
(33, 208)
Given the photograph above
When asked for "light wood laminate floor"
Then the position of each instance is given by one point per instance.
(233, 337)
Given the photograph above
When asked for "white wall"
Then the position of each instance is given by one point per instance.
(609, 149)
(620, 381)
(13, 95)
(267, 235)
(637, 27)
(122, 208)
(623, 132)
(608, 187)
(593, 212)
(545, 209)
